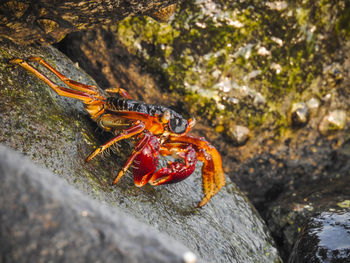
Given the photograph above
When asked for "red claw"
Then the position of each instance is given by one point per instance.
(146, 162)
(176, 171)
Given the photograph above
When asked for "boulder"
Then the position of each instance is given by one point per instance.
(44, 219)
(57, 133)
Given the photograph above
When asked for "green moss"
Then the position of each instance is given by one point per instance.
(343, 22)
(201, 47)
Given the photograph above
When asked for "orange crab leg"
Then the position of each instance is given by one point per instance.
(212, 173)
(120, 91)
(127, 133)
(71, 83)
(152, 123)
(62, 91)
(138, 148)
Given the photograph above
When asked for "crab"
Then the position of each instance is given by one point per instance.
(158, 130)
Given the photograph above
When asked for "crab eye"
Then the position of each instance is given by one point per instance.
(178, 125)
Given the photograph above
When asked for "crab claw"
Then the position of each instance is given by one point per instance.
(176, 171)
(212, 173)
(146, 162)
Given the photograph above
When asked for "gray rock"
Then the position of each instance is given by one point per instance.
(325, 238)
(306, 221)
(57, 133)
(43, 219)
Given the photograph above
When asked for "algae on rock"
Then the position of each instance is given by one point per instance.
(242, 62)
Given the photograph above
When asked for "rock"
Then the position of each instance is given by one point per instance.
(293, 218)
(44, 219)
(57, 133)
(299, 114)
(47, 21)
(325, 238)
(334, 121)
(239, 134)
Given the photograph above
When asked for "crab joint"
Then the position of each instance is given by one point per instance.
(165, 117)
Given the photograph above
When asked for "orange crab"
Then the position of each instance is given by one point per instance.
(158, 129)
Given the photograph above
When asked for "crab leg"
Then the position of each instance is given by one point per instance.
(62, 91)
(138, 148)
(71, 83)
(120, 91)
(146, 162)
(212, 173)
(127, 133)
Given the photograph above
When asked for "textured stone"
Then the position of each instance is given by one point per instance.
(48, 21)
(43, 219)
(325, 238)
(294, 216)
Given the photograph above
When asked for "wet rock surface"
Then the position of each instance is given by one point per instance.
(292, 212)
(58, 134)
(325, 238)
(44, 219)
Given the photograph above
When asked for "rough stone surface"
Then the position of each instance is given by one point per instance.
(27, 22)
(57, 133)
(43, 219)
